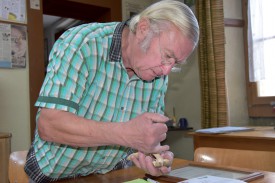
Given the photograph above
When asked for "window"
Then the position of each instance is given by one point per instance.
(259, 38)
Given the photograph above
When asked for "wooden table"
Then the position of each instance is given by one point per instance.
(261, 138)
(132, 173)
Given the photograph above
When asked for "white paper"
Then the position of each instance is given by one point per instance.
(13, 10)
(225, 129)
(211, 179)
(19, 46)
(13, 46)
(35, 4)
(5, 45)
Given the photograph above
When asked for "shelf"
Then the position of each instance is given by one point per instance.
(170, 128)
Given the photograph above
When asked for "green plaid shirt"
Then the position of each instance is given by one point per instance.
(86, 76)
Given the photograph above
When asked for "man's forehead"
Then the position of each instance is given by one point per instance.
(176, 44)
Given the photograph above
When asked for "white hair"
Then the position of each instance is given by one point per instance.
(164, 12)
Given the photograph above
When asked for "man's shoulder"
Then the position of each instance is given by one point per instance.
(93, 29)
(84, 32)
(94, 25)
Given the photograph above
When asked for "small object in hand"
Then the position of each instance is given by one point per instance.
(158, 160)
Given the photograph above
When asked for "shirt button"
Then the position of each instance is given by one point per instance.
(122, 108)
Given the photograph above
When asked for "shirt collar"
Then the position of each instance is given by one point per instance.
(115, 50)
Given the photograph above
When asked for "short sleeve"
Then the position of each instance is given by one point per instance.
(65, 80)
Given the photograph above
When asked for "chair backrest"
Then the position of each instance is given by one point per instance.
(16, 167)
(257, 160)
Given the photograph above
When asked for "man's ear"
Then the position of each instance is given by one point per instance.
(143, 28)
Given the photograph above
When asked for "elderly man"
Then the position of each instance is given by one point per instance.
(103, 95)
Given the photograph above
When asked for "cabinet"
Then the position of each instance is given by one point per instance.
(5, 149)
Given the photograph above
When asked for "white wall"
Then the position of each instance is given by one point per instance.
(14, 106)
(235, 77)
(235, 66)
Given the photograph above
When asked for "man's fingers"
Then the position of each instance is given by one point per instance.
(160, 148)
(163, 137)
(168, 155)
(158, 118)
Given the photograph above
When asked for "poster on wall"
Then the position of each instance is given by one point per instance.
(13, 10)
(132, 7)
(13, 46)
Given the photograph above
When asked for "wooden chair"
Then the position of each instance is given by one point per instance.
(257, 160)
(17, 161)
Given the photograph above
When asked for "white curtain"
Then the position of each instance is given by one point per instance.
(261, 35)
(255, 46)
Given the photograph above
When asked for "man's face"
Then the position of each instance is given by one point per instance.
(166, 49)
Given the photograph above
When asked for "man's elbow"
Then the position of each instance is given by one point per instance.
(43, 130)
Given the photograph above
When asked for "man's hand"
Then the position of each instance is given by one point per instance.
(145, 133)
(146, 162)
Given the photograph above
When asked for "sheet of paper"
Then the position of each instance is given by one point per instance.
(35, 4)
(211, 179)
(225, 129)
(5, 45)
(13, 10)
(13, 46)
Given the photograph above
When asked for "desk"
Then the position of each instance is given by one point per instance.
(132, 173)
(262, 138)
